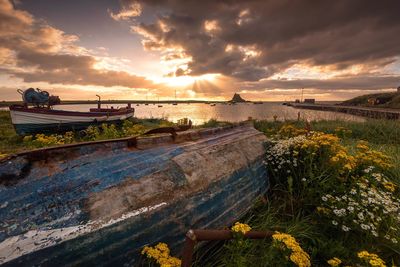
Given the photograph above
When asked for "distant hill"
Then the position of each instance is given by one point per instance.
(386, 100)
(237, 98)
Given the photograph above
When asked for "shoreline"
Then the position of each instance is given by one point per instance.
(375, 113)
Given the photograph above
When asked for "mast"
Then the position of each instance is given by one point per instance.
(301, 101)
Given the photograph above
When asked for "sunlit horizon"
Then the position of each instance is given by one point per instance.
(140, 50)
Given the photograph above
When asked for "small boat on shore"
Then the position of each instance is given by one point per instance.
(99, 203)
(42, 118)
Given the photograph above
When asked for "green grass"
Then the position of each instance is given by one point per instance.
(287, 209)
(291, 212)
(11, 143)
(388, 100)
(9, 140)
(374, 131)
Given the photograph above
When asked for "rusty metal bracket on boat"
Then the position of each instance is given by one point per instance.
(132, 142)
(195, 236)
(170, 130)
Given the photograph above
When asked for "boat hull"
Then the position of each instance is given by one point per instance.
(31, 120)
(98, 213)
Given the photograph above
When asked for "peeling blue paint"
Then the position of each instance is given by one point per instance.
(64, 192)
(218, 206)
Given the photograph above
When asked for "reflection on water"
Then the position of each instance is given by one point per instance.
(200, 113)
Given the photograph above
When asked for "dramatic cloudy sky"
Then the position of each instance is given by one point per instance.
(265, 49)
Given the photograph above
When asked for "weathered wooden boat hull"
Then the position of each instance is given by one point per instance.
(38, 120)
(105, 201)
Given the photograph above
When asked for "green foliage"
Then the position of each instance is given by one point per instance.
(41, 140)
(321, 182)
(386, 99)
(10, 142)
(129, 128)
(213, 123)
(373, 131)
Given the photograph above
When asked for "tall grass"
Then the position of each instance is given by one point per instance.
(292, 210)
(373, 131)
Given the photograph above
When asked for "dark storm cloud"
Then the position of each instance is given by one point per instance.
(343, 83)
(70, 69)
(37, 52)
(282, 33)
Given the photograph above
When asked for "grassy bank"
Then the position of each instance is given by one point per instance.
(382, 100)
(334, 195)
(10, 142)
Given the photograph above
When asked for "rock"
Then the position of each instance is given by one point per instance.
(237, 98)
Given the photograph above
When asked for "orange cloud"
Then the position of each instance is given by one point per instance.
(37, 52)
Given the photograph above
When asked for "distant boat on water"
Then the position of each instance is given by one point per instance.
(43, 119)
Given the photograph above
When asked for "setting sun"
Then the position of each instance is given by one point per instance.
(132, 130)
(183, 81)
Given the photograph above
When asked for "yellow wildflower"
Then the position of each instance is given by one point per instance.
(334, 262)
(298, 256)
(27, 138)
(390, 186)
(241, 228)
(160, 253)
(291, 131)
(163, 248)
(369, 157)
(323, 210)
(371, 258)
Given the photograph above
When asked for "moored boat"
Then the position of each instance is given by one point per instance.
(42, 118)
(99, 203)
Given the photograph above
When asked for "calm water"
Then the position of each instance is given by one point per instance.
(200, 113)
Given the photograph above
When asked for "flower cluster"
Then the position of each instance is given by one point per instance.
(342, 132)
(334, 262)
(315, 150)
(371, 258)
(160, 253)
(281, 155)
(369, 205)
(40, 140)
(289, 130)
(351, 187)
(297, 255)
(241, 228)
(368, 157)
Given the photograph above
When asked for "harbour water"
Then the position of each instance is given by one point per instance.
(200, 113)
